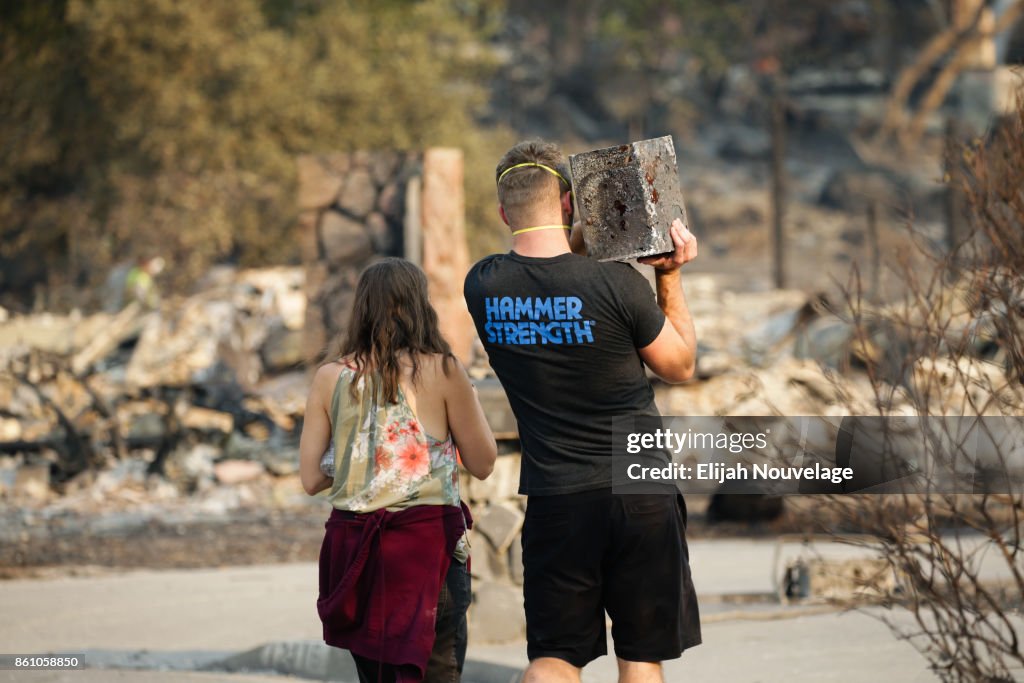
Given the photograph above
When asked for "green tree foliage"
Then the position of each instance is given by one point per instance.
(171, 127)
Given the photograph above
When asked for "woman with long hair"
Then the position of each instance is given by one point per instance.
(392, 402)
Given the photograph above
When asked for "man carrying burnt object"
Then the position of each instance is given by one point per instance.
(568, 338)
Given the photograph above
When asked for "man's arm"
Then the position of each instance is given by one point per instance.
(673, 353)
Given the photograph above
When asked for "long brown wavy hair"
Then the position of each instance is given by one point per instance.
(391, 314)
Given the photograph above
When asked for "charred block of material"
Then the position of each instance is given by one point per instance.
(627, 197)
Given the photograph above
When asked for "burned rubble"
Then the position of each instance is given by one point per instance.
(213, 377)
(197, 406)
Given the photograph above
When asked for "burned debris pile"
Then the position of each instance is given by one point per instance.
(209, 388)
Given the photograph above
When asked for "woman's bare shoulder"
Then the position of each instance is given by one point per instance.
(329, 372)
(440, 364)
(336, 365)
(431, 369)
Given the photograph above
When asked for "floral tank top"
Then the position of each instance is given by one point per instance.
(384, 458)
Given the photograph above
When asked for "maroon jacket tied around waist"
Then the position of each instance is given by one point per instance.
(380, 578)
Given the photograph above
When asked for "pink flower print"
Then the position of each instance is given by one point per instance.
(393, 433)
(414, 428)
(381, 459)
(413, 460)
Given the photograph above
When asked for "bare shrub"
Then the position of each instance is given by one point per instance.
(953, 346)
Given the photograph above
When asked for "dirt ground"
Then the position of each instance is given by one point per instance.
(246, 536)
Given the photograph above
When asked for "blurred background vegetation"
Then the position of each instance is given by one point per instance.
(168, 127)
(165, 127)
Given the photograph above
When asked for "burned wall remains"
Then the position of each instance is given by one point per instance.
(359, 207)
(354, 209)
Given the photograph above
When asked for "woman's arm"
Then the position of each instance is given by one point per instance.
(316, 435)
(468, 425)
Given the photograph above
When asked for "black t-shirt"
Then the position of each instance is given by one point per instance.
(562, 335)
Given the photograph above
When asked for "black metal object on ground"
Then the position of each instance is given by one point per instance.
(627, 197)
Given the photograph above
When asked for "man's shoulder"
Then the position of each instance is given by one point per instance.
(479, 271)
(496, 267)
(575, 260)
(621, 274)
(486, 261)
(620, 268)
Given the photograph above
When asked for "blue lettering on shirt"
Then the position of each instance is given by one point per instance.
(536, 320)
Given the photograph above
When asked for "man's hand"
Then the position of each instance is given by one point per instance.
(686, 250)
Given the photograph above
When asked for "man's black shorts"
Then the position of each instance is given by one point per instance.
(590, 552)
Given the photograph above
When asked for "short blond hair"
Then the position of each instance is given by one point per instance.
(522, 187)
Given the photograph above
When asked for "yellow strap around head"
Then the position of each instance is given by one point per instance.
(534, 163)
(541, 227)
